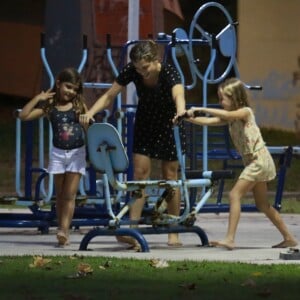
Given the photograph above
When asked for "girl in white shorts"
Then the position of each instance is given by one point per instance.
(62, 105)
(62, 161)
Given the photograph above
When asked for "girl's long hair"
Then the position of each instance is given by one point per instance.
(69, 75)
(235, 89)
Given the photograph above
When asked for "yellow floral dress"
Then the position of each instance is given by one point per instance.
(247, 138)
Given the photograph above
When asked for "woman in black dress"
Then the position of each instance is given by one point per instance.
(160, 98)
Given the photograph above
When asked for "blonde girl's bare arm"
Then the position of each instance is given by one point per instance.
(30, 112)
(209, 121)
(238, 114)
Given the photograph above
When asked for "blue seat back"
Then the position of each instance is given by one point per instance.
(106, 134)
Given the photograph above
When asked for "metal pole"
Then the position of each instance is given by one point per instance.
(133, 34)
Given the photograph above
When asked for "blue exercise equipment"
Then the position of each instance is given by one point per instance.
(108, 156)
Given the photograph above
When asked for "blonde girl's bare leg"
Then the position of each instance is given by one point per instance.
(170, 172)
(238, 191)
(262, 204)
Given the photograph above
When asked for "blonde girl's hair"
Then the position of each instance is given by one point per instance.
(68, 75)
(235, 89)
(147, 50)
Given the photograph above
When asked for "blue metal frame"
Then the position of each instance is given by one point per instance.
(107, 154)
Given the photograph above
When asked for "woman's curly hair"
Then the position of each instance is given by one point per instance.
(147, 50)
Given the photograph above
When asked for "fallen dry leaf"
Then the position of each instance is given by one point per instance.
(106, 265)
(39, 262)
(73, 257)
(249, 282)
(82, 271)
(84, 268)
(76, 256)
(158, 263)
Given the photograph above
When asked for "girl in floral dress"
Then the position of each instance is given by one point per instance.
(258, 162)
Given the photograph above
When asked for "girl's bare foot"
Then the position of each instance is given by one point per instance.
(133, 244)
(225, 244)
(286, 244)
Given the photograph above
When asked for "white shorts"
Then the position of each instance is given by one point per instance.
(62, 161)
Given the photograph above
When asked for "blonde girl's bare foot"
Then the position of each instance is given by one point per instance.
(286, 244)
(224, 244)
(133, 244)
(173, 240)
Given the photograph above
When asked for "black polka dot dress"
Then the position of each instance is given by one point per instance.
(153, 128)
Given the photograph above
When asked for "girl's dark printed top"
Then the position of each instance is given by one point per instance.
(67, 132)
(153, 129)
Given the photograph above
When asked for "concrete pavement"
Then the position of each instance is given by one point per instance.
(254, 239)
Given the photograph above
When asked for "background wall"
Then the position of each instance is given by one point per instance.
(21, 23)
(268, 54)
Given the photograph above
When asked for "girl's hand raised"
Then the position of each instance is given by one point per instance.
(46, 95)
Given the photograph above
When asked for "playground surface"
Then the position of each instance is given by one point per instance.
(254, 239)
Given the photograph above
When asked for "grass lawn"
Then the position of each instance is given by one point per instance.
(112, 278)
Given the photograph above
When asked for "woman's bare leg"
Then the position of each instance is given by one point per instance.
(170, 172)
(142, 170)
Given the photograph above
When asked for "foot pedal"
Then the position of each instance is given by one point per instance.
(161, 204)
(291, 254)
(80, 200)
